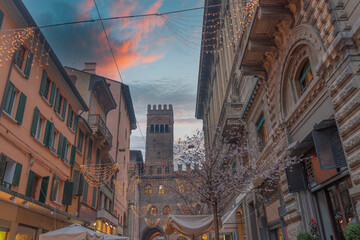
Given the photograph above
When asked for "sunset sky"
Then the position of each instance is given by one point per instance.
(158, 58)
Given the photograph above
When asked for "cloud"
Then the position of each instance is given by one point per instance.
(84, 9)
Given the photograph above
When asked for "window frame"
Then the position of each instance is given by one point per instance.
(148, 189)
(20, 57)
(39, 128)
(80, 142)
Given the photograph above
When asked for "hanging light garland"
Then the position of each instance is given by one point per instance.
(97, 175)
(140, 211)
(152, 223)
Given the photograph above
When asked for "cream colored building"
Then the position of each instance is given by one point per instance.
(295, 67)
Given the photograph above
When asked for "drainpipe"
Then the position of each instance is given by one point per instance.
(6, 86)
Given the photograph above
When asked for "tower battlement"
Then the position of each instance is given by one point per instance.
(160, 109)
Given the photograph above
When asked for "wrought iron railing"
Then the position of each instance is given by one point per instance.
(5, 184)
(96, 120)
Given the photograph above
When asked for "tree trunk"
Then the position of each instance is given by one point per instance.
(216, 221)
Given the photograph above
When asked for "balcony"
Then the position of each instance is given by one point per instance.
(104, 214)
(232, 123)
(100, 129)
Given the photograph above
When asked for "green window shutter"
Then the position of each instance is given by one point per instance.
(52, 94)
(93, 203)
(85, 191)
(59, 150)
(72, 156)
(17, 52)
(1, 18)
(35, 122)
(30, 183)
(64, 109)
(67, 195)
(43, 82)
(47, 133)
(63, 151)
(54, 187)
(29, 61)
(17, 174)
(2, 166)
(57, 99)
(9, 95)
(43, 189)
(21, 108)
(51, 134)
(68, 122)
(75, 122)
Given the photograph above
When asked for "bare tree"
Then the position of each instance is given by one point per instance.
(230, 166)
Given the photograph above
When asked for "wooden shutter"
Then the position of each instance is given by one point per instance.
(72, 156)
(52, 94)
(64, 109)
(54, 187)
(64, 145)
(85, 192)
(1, 17)
(21, 108)
(35, 122)
(30, 183)
(296, 178)
(47, 133)
(93, 203)
(81, 185)
(69, 116)
(328, 146)
(2, 166)
(59, 150)
(9, 95)
(43, 82)
(17, 174)
(29, 61)
(67, 195)
(76, 179)
(51, 135)
(57, 99)
(75, 122)
(43, 189)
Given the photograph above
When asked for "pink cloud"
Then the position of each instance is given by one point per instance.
(84, 9)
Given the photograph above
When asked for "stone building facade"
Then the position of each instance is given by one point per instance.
(292, 79)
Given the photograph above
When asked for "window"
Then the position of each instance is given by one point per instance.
(53, 141)
(148, 189)
(80, 141)
(157, 128)
(31, 185)
(89, 153)
(161, 189)
(67, 151)
(166, 128)
(93, 202)
(181, 189)
(1, 20)
(153, 211)
(167, 169)
(47, 88)
(166, 210)
(159, 170)
(262, 132)
(10, 171)
(19, 56)
(39, 127)
(152, 128)
(10, 99)
(161, 128)
(305, 76)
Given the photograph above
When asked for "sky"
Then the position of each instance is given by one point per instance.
(158, 56)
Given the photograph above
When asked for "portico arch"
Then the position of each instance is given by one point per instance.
(151, 233)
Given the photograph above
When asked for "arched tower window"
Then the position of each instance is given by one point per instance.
(161, 189)
(166, 128)
(157, 128)
(181, 189)
(305, 75)
(153, 211)
(152, 128)
(166, 210)
(148, 189)
(162, 128)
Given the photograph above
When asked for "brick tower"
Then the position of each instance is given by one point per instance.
(159, 135)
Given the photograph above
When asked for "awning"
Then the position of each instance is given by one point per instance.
(229, 220)
(189, 225)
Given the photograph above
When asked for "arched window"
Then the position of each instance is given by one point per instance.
(159, 170)
(153, 211)
(305, 75)
(166, 210)
(161, 189)
(148, 189)
(166, 128)
(152, 128)
(157, 128)
(161, 128)
(181, 189)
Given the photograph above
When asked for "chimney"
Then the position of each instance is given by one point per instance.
(90, 67)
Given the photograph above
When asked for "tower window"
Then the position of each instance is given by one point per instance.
(161, 189)
(148, 189)
(157, 128)
(162, 128)
(166, 128)
(166, 210)
(159, 170)
(305, 76)
(152, 128)
(153, 211)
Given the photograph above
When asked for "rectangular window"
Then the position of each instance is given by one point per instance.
(85, 192)
(262, 132)
(10, 98)
(80, 141)
(93, 203)
(67, 152)
(53, 140)
(59, 104)
(9, 171)
(89, 153)
(19, 57)
(1, 18)
(47, 89)
(39, 127)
